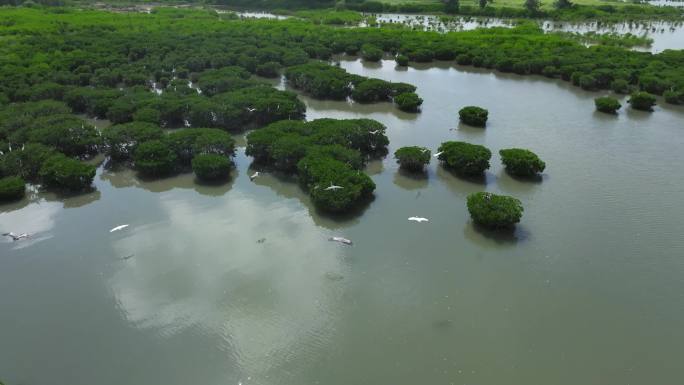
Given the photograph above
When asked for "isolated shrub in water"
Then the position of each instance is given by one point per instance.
(474, 116)
(408, 101)
(521, 162)
(642, 101)
(12, 188)
(402, 60)
(607, 104)
(412, 158)
(211, 166)
(464, 158)
(494, 211)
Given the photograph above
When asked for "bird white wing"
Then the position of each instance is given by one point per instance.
(117, 228)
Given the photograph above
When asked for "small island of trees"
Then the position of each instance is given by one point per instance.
(474, 116)
(607, 104)
(521, 162)
(494, 211)
(326, 154)
(464, 158)
(412, 158)
(643, 101)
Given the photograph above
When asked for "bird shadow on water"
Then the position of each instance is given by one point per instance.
(495, 238)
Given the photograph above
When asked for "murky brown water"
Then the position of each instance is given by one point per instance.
(587, 290)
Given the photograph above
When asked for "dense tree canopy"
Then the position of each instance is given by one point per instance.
(474, 116)
(521, 162)
(12, 188)
(326, 154)
(494, 211)
(607, 104)
(464, 158)
(412, 158)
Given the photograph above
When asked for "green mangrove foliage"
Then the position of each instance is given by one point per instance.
(643, 101)
(464, 158)
(12, 188)
(521, 162)
(474, 116)
(211, 167)
(324, 81)
(326, 154)
(412, 158)
(158, 156)
(408, 101)
(494, 211)
(60, 171)
(607, 104)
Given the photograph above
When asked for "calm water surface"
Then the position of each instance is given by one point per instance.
(587, 290)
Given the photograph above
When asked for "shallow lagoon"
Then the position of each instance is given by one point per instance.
(586, 290)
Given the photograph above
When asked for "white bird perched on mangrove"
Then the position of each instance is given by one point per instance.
(341, 240)
(253, 176)
(438, 154)
(117, 228)
(16, 237)
(251, 109)
(418, 219)
(333, 187)
(373, 132)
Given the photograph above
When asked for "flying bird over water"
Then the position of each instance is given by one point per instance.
(341, 240)
(418, 219)
(253, 176)
(117, 228)
(373, 132)
(438, 154)
(16, 237)
(251, 109)
(333, 187)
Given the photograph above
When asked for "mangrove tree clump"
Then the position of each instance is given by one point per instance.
(642, 101)
(412, 158)
(372, 90)
(25, 162)
(155, 158)
(494, 211)
(474, 116)
(62, 172)
(326, 154)
(211, 167)
(521, 162)
(408, 101)
(607, 104)
(12, 188)
(402, 60)
(371, 53)
(120, 141)
(464, 158)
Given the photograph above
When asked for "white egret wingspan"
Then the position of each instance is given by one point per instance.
(117, 228)
(418, 219)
